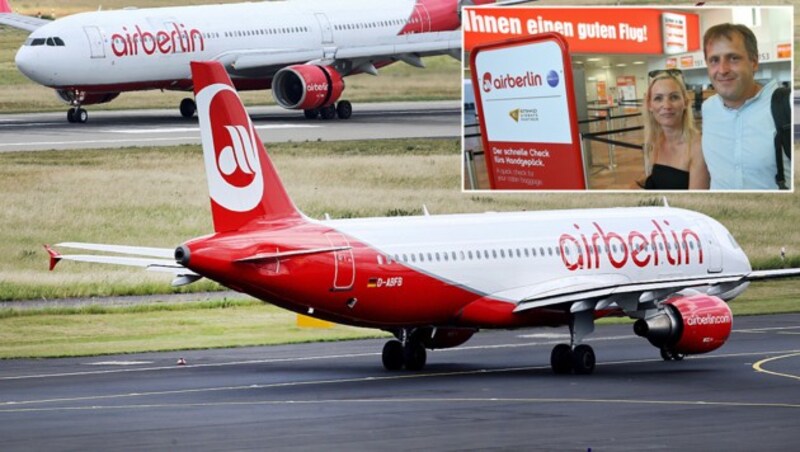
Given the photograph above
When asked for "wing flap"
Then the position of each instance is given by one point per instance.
(603, 289)
(421, 44)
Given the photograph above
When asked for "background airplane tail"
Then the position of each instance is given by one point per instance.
(5, 7)
(242, 182)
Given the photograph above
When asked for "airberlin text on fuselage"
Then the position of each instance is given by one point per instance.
(661, 246)
(175, 40)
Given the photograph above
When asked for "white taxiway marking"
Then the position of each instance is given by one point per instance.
(197, 129)
(119, 363)
(19, 405)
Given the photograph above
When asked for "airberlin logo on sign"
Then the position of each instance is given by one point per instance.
(233, 166)
(175, 39)
(597, 247)
(509, 81)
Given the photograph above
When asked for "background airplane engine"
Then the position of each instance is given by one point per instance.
(307, 87)
(688, 325)
(83, 98)
(445, 337)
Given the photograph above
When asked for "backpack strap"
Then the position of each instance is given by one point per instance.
(782, 116)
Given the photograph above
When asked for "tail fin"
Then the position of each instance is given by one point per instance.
(5, 7)
(242, 181)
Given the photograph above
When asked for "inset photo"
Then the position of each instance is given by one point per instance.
(628, 98)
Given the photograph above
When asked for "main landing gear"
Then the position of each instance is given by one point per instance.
(575, 357)
(342, 110)
(407, 353)
(188, 108)
(77, 115)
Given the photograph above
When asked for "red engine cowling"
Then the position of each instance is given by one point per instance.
(84, 98)
(305, 87)
(688, 325)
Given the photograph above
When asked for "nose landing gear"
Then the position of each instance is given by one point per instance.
(77, 115)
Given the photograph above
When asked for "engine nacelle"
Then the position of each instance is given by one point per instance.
(83, 98)
(444, 337)
(688, 325)
(306, 86)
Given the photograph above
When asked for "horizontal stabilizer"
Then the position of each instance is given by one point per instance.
(161, 265)
(164, 253)
(288, 254)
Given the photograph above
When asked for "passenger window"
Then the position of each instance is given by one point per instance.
(502, 253)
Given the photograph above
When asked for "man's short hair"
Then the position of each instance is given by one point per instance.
(727, 31)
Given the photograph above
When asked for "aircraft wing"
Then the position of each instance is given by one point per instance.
(404, 47)
(153, 259)
(22, 22)
(601, 291)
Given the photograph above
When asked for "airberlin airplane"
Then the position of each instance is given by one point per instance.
(434, 280)
(300, 49)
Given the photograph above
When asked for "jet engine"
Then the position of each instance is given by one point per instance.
(687, 325)
(307, 87)
(72, 97)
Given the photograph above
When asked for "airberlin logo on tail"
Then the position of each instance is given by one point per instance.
(174, 39)
(233, 166)
(597, 248)
(508, 81)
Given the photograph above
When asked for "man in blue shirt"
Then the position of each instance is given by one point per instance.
(738, 129)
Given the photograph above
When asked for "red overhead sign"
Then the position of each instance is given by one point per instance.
(588, 30)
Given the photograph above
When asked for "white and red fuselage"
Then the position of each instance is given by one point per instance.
(463, 270)
(107, 52)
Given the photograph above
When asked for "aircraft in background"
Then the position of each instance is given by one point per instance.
(434, 280)
(301, 49)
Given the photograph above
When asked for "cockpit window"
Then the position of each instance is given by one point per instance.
(52, 42)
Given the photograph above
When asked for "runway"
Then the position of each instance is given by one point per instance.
(44, 131)
(497, 391)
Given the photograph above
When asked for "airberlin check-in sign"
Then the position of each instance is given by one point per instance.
(526, 107)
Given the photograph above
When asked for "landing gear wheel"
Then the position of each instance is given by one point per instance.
(344, 109)
(188, 108)
(561, 359)
(415, 356)
(328, 112)
(583, 359)
(393, 355)
(71, 115)
(81, 115)
(311, 113)
(671, 355)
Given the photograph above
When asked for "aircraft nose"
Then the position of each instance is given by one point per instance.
(30, 64)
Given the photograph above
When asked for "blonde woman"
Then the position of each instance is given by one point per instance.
(671, 140)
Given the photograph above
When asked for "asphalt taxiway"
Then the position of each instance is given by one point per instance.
(497, 391)
(44, 131)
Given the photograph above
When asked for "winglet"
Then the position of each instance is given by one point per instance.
(666, 204)
(5, 7)
(54, 256)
